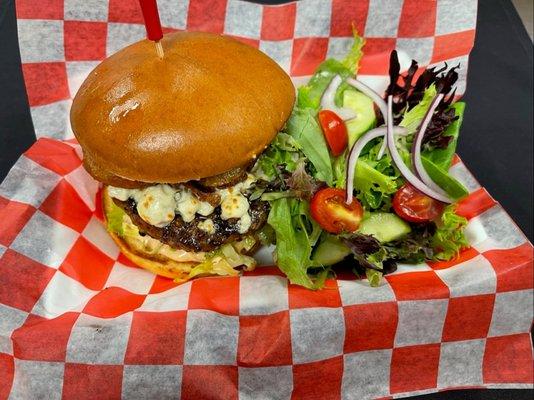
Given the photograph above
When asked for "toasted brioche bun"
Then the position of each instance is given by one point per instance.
(156, 263)
(209, 105)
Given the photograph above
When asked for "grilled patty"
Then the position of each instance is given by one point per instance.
(188, 236)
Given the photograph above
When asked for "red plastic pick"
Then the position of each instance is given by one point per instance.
(151, 16)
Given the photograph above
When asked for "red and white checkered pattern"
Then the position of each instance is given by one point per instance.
(78, 320)
(61, 41)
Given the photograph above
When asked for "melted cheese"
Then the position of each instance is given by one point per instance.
(120, 193)
(187, 205)
(244, 223)
(233, 204)
(207, 226)
(156, 204)
(159, 204)
(205, 208)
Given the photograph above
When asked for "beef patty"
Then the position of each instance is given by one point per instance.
(188, 236)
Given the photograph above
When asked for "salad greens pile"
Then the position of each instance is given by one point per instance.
(298, 163)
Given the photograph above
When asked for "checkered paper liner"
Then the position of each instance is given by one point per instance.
(78, 320)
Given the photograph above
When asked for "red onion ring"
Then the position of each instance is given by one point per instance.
(418, 142)
(355, 154)
(379, 101)
(328, 103)
(404, 170)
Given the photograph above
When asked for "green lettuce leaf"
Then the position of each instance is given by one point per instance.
(283, 151)
(444, 180)
(224, 262)
(114, 218)
(383, 165)
(307, 222)
(352, 59)
(320, 277)
(304, 129)
(338, 169)
(374, 188)
(413, 117)
(449, 238)
(309, 95)
(443, 157)
(374, 277)
(293, 248)
(296, 235)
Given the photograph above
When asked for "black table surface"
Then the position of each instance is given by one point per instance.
(496, 141)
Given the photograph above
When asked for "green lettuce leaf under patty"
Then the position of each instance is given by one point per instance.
(224, 262)
(114, 219)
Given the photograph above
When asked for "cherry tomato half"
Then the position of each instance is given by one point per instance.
(329, 209)
(335, 131)
(413, 206)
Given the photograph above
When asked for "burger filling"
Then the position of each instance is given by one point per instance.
(191, 216)
(226, 260)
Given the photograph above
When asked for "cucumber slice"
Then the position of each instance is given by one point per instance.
(365, 114)
(384, 226)
(330, 251)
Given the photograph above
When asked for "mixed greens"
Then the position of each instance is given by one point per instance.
(304, 166)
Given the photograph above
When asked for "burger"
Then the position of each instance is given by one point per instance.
(173, 140)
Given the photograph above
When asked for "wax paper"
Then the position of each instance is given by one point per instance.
(78, 320)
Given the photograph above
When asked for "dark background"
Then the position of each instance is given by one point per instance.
(496, 141)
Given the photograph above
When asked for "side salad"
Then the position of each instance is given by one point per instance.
(361, 179)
